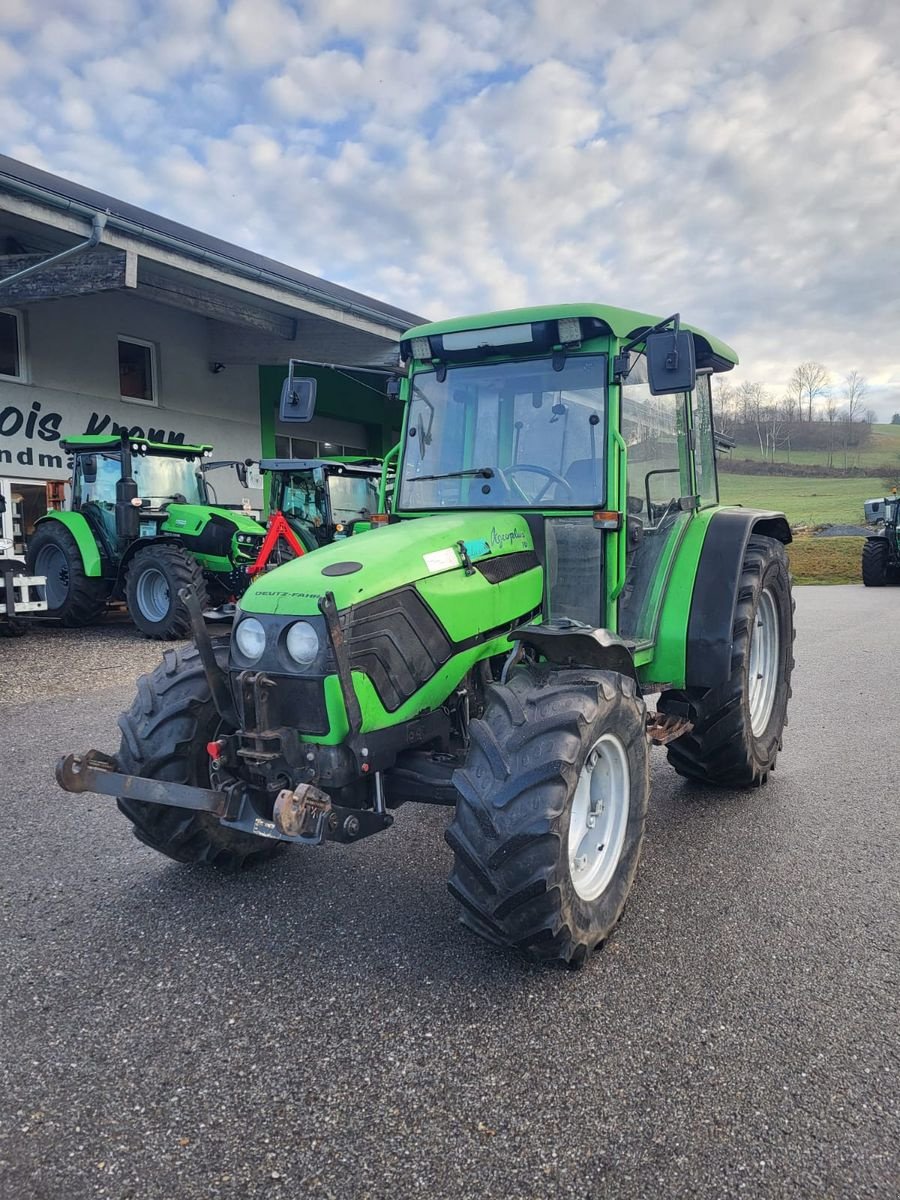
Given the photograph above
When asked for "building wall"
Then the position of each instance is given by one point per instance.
(72, 386)
(348, 408)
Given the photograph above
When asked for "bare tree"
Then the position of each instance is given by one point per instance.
(831, 411)
(855, 391)
(723, 402)
(809, 381)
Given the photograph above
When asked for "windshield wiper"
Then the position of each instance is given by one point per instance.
(483, 472)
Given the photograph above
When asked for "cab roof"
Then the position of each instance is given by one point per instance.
(623, 323)
(106, 441)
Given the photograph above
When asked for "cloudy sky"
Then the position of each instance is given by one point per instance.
(739, 162)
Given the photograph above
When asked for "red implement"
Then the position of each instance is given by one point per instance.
(278, 528)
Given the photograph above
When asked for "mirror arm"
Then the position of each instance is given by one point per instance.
(621, 366)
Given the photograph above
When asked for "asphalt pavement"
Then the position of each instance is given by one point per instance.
(324, 1026)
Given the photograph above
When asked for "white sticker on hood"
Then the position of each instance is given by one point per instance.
(441, 560)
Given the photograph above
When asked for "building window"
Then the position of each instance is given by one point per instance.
(291, 447)
(137, 371)
(12, 358)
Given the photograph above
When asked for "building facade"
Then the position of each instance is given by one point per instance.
(115, 318)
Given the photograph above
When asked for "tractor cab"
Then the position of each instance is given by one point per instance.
(163, 475)
(323, 499)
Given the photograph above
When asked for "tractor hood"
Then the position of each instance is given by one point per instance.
(191, 518)
(458, 563)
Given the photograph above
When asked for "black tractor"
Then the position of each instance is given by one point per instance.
(881, 552)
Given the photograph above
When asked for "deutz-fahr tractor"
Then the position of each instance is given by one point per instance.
(881, 550)
(315, 501)
(556, 553)
(140, 528)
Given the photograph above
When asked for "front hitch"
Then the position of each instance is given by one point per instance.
(94, 771)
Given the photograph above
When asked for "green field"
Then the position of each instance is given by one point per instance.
(812, 501)
(883, 449)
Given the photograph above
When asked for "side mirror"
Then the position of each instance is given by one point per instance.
(89, 468)
(671, 366)
(298, 398)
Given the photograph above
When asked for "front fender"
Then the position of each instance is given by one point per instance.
(77, 525)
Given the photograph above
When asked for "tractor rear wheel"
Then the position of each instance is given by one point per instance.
(550, 816)
(73, 597)
(155, 576)
(164, 736)
(875, 556)
(738, 726)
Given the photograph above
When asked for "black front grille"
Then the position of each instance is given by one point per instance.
(506, 566)
(397, 641)
(295, 701)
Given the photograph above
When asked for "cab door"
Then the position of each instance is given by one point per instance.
(660, 498)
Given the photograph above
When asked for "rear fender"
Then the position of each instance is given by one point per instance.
(715, 592)
(84, 539)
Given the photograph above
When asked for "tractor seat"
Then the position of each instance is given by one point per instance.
(585, 477)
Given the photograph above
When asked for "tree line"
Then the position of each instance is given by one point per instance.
(814, 413)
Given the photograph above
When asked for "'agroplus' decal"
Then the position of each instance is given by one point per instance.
(38, 427)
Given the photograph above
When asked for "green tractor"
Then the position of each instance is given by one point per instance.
(316, 501)
(555, 553)
(140, 529)
(881, 550)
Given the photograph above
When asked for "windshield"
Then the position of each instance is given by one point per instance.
(162, 480)
(159, 480)
(300, 494)
(352, 498)
(507, 435)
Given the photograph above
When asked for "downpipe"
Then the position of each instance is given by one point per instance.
(98, 224)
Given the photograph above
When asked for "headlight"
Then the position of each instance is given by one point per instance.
(302, 643)
(250, 637)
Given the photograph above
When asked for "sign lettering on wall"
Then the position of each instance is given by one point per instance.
(29, 434)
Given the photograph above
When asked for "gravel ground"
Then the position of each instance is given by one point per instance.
(845, 531)
(324, 1027)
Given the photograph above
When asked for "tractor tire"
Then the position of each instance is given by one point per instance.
(551, 747)
(738, 726)
(164, 736)
(875, 559)
(155, 576)
(12, 627)
(73, 597)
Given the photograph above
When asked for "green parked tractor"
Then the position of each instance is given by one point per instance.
(322, 499)
(556, 553)
(140, 528)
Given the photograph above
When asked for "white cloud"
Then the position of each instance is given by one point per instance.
(737, 163)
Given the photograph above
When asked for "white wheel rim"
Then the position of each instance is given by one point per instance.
(599, 817)
(762, 669)
(152, 595)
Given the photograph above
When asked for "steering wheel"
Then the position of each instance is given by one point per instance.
(551, 477)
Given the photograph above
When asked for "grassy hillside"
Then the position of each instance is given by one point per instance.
(883, 449)
(811, 501)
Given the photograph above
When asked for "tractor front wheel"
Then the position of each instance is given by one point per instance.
(164, 736)
(551, 810)
(738, 726)
(875, 556)
(73, 597)
(156, 574)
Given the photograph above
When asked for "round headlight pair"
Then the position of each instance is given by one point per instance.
(302, 641)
